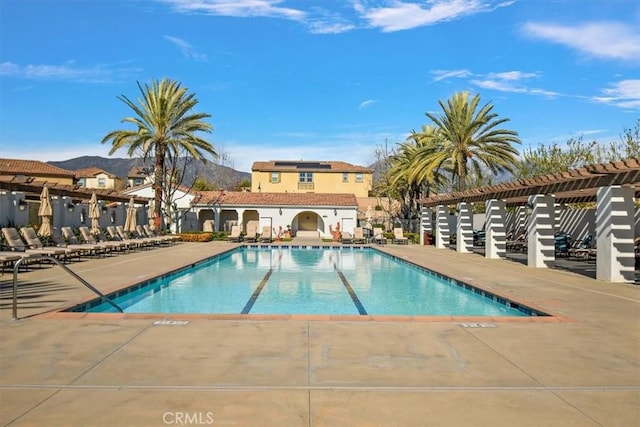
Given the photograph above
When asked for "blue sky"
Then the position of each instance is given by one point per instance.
(315, 79)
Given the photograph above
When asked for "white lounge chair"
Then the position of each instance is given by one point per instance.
(398, 236)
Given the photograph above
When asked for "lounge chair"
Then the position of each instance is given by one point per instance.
(70, 237)
(152, 233)
(378, 235)
(58, 240)
(105, 244)
(234, 237)
(266, 236)
(18, 245)
(135, 241)
(160, 240)
(252, 230)
(33, 241)
(346, 237)
(398, 236)
(8, 259)
(358, 235)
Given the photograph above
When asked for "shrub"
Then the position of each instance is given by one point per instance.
(196, 237)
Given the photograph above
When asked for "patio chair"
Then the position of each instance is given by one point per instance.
(398, 236)
(378, 235)
(124, 236)
(18, 245)
(158, 240)
(234, 237)
(152, 233)
(106, 244)
(252, 230)
(33, 241)
(58, 239)
(8, 259)
(266, 236)
(346, 237)
(358, 235)
(70, 237)
(581, 249)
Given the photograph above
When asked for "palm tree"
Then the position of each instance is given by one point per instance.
(409, 181)
(466, 137)
(164, 126)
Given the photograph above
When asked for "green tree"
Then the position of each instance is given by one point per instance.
(550, 159)
(467, 137)
(201, 183)
(165, 125)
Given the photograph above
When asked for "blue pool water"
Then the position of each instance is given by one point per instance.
(338, 281)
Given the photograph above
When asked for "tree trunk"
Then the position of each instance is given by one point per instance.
(158, 185)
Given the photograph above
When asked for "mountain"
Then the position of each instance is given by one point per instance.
(220, 175)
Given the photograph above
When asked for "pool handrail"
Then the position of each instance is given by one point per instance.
(16, 266)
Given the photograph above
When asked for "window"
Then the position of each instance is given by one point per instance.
(275, 177)
(359, 177)
(102, 182)
(82, 182)
(345, 177)
(137, 181)
(306, 177)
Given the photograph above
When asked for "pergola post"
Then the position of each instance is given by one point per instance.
(615, 260)
(464, 228)
(425, 223)
(442, 226)
(495, 231)
(540, 233)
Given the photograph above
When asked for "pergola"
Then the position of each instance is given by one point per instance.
(612, 186)
(576, 186)
(28, 185)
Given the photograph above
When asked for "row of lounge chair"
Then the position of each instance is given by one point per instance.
(252, 234)
(66, 246)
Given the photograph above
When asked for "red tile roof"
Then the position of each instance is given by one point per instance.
(307, 166)
(91, 172)
(243, 198)
(32, 168)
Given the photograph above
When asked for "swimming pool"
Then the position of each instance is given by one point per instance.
(287, 280)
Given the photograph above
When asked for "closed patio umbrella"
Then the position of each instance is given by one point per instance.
(94, 214)
(45, 213)
(130, 223)
(151, 213)
(369, 218)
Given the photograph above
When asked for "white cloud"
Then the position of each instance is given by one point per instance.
(611, 40)
(237, 8)
(187, 49)
(504, 81)
(367, 103)
(445, 74)
(69, 71)
(624, 94)
(406, 15)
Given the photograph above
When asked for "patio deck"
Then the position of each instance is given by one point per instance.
(581, 368)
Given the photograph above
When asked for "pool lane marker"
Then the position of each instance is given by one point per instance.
(351, 292)
(252, 300)
(247, 308)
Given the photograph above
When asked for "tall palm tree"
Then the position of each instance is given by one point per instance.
(164, 126)
(412, 182)
(467, 137)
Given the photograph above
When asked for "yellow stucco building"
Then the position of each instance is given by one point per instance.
(291, 176)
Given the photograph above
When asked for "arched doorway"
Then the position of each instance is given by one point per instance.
(308, 224)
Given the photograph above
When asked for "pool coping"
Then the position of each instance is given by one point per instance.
(542, 316)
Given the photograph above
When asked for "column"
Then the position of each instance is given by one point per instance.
(442, 226)
(464, 228)
(614, 234)
(426, 225)
(540, 232)
(495, 229)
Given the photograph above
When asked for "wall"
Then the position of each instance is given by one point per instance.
(323, 182)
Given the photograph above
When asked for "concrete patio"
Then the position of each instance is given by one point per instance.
(580, 367)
